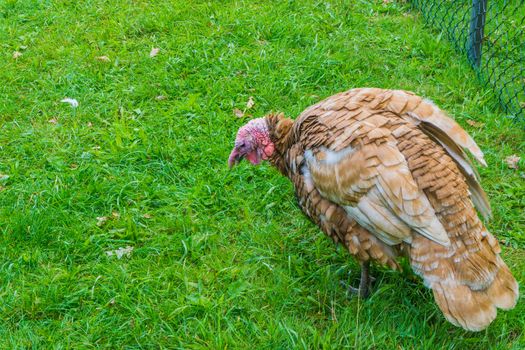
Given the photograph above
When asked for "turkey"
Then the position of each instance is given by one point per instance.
(385, 173)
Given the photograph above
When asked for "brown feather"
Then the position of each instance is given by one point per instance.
(395, 163)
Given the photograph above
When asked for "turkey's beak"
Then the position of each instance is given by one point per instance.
(235, 158)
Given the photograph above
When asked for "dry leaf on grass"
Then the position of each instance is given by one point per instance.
(238, 113)
(160, 98)
(512, 161)
(147, 216)
(154, 52)
(101, 220)
(16, 54)
(475, 123)
(250, 102)
(119, 253)
(89, 124)
(102, 58)
(53, 121)
(72, 102)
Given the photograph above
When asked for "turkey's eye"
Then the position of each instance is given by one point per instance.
(241, 145)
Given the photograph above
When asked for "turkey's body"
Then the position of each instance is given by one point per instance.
(384, 172)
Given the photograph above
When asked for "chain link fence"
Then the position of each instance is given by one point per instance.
(491, 33)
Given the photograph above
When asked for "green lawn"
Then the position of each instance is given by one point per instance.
(221, 259)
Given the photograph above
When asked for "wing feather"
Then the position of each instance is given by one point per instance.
(449, 134)
(377, 189)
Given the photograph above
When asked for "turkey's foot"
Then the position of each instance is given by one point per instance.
(365, 283)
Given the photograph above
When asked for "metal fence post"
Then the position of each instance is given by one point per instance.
(477, 24)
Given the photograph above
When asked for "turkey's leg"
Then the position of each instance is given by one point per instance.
(365, 282)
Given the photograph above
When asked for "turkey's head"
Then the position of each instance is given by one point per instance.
(252, 142)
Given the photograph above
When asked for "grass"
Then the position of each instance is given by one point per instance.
(221, 259)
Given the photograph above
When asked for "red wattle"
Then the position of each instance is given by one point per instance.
(253, 157)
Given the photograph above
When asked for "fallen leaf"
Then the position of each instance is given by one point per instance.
(147, 216)
(250, 102)
(154, 52)
(73, 166)
(16, 54)
(89, 124)
(120, 252)
(117, 230)
(512, 161)
(102, 58)
(72, 102)
(238, 113)
(101, 220)
(115, 214)
(475, 123)
(160, 98)
(387, 1)
(53, 121)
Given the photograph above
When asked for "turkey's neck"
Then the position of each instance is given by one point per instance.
(281, 135)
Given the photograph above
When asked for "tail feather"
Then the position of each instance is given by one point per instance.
(504, 291)
(463, 307)
(478, 269)
(468, 292)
